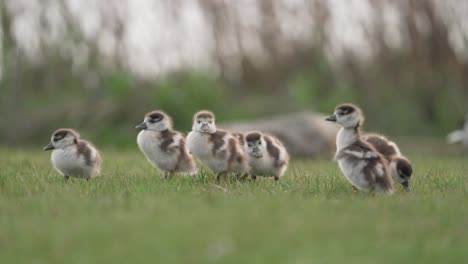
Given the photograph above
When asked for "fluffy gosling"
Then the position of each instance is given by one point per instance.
(400, 167)
(267, 156)
(164, 147)
(219, 150)
(359, 161)
(72, 156)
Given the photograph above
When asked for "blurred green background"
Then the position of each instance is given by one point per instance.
(99, 67)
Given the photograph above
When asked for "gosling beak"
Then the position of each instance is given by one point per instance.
(331, 118)
(204, 127)
(142, 126)
(49, 146)
(257, 153)
(406, 186)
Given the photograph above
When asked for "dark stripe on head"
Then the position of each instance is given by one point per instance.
(253, 136)
(404, 168)
(63, 132)
(204, 114)
(156, 116)
(346, 109)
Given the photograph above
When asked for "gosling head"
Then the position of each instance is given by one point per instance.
(404, 170)
(156, 121)
(347, 116)
(62, 138)
(204, 122)
(256, 144)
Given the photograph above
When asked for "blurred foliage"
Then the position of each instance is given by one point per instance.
(419, 88)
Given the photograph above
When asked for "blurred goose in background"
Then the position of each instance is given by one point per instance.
(460, 136)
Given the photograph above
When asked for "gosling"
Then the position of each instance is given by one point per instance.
(267, 156)
(400, 167)
(221, 151)
(72, 156)
(362, 165)
(164, 147)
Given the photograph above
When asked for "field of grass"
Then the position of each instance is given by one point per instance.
(312, 215)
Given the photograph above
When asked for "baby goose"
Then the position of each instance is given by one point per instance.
(266, 155)
(400, 167)
(163, 147)
(219, 150)
(360, 163)
(72, 156)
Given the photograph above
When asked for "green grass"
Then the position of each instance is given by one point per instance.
(312, 215)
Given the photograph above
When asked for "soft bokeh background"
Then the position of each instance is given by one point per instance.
(98, 66)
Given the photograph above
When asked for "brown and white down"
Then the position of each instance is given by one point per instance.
(266, 154)
(400, 167)
(73, 157)
(164, 147)
(219, 150)
(361, 164)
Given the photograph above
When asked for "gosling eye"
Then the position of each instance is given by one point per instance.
(199, 122)
(259, 143)
(58, 137)
(211, 122)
